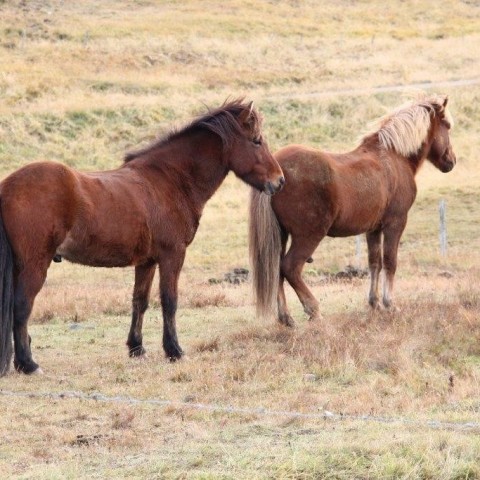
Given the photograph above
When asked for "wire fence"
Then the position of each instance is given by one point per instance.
(465, 82)
(255, 411)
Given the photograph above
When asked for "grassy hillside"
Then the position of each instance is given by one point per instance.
(83, 82)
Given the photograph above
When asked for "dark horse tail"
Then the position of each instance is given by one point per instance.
(6, 299)
(265, 247)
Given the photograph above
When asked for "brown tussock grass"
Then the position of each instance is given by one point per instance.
(123, 418)
(78, 303)
(388, 340)
(207, 299)
(199, 294)
(212, 345)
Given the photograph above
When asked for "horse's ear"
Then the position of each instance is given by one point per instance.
(442, 104)
(246, 117)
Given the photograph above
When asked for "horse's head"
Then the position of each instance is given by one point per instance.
(249, 156)
(441, 152)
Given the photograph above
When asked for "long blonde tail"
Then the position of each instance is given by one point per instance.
(265, 247)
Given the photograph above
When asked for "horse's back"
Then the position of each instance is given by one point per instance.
(329, 193)
(35, 176)
(303, 165)
(46, 186)
(112, 227)
(89, 218)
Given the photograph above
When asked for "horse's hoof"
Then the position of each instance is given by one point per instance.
(286, 321)
(172, 350)
(317, 317)
(174, 355)
(38, 371)
(137, 352)
(140, 358)
(392, 309)
(28, 368)
(174, 359)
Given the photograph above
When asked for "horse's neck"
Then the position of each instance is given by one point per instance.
(414, 162)
(195, 163)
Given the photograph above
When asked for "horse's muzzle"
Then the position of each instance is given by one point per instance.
(448, 163)
(448, 167)
(271, 188)
(449, 160)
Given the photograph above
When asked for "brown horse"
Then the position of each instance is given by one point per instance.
(367, 190)
(144, 214)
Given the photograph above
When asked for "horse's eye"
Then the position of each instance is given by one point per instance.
(257, 141)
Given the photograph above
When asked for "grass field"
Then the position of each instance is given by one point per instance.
(83, 82)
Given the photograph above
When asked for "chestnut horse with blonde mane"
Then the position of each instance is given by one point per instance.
(368, 190)
(143, 214)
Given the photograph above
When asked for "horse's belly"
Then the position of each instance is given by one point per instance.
(344, 232)
(353, 226)
(99, 254)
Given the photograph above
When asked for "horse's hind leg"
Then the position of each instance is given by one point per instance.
(374, 240)
(284, 316)
(143, 283)
(292, 264)
(28, 283)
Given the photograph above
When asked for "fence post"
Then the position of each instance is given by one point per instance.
(443, 227)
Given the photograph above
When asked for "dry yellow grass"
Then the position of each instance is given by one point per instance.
(82, 82)
(419, 364)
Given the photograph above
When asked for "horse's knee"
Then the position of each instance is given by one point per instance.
(140, 304)
(389, 264)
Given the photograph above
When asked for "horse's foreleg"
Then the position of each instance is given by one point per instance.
(143, 283)
(374, 240)
(28, 283)
(291, 268)
(391, 241)
(171, 263)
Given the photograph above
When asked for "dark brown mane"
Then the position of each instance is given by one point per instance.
(221, 121)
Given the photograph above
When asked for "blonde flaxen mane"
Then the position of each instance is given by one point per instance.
(406, 128)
